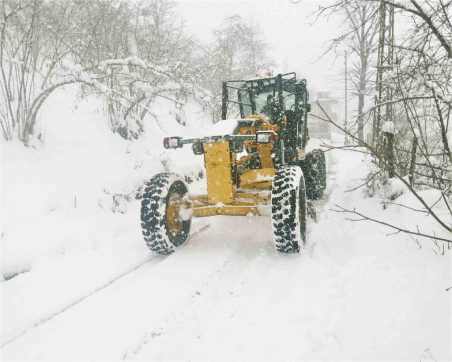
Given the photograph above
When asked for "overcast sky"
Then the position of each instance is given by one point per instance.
(295, 39)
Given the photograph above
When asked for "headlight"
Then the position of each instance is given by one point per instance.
(172, 142)
(264, 137)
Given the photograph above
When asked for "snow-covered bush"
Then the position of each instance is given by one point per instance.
(145, 55)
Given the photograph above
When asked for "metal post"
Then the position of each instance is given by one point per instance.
(389, 153)
(224, 103)
(412, 161)
(346, 96)
(385, 62)
(384, 94)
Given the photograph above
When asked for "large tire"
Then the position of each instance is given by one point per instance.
(288, 199)
(163, 224)
(315, 174)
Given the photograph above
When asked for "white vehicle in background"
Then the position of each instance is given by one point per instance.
(322, 130)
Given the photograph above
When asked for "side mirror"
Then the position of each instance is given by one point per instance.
(172, 142)
(308, 107)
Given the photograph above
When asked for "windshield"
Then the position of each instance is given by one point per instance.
(245, 102)
(264, 101)
(289, 100)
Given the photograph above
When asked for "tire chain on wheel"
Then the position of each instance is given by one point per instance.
(153, 211)
(315, 174)
(322, 161)
(287, 183)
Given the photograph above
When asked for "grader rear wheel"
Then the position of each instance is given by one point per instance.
(314, 170)
(165, 215)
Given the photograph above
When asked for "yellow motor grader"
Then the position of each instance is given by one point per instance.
(259, 169)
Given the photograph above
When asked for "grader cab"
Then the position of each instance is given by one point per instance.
(260, 168)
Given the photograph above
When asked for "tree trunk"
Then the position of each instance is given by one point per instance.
(389, 153)
(362, 94)
(412, 161)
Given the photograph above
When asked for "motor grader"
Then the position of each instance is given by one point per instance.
(260, 168)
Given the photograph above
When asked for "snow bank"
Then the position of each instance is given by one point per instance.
(59, 196)
(69, 218)
(394, 188)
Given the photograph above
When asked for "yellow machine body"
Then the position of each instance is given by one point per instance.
(236, 194)
(217, 157)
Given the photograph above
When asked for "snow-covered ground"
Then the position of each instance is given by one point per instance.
(81, 284)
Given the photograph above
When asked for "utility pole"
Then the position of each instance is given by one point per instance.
(385, 62)
(384, 116)
(346, 96)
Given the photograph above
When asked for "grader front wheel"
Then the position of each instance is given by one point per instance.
(165, 218)
(289, 209)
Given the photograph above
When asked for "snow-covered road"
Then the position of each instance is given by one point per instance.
(227, 295)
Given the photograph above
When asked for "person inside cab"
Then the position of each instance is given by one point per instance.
(267, 109)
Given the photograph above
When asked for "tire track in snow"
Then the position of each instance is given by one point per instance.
(79, 300)
(153, 261)
(228, 280)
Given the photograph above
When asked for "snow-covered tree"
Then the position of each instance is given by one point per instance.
(129, 53)
(137, 53)
(33, 42)
(362, 23)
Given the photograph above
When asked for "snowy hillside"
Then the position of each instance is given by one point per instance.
(68, 210)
